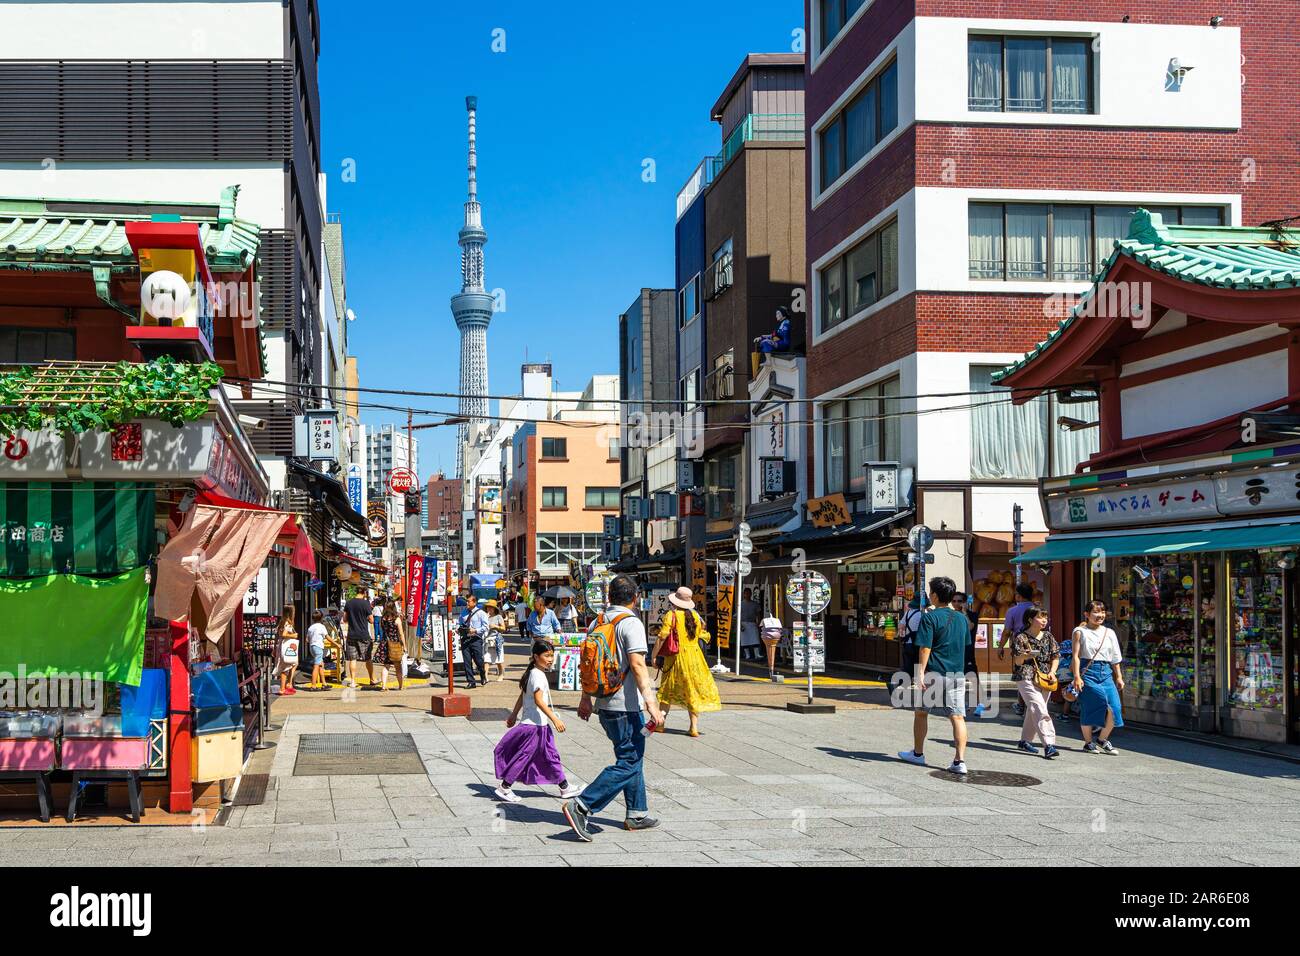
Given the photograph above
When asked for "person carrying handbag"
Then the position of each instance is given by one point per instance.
(391, 647)
(1035, 656)
(686, 678)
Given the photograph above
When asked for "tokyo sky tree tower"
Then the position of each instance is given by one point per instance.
(472, 308)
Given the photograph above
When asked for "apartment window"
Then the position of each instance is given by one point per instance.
(557, 550)
(719, 277)
(833, 15)
(688, 301)
(855, 130)
(688, 389)
(555, 497)
(1062, 241)
(555, 448)
(602, 498)
(33, 346)
(1010, 441)
(615, 449)
(859, 428)
(1016, 74)
(861, 277)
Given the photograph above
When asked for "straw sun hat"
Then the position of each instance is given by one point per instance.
(683, 599)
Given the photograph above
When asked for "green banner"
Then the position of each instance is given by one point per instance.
(66, 624)
(99, 527)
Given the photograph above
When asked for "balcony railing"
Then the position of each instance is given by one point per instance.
(718, 277)
(785, 127)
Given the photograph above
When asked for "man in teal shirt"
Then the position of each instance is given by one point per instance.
(941, 640)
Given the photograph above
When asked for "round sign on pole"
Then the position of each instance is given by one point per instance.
(808, 592)
(744, 546)
(401, 480)
(744, 567)
(920, 538)
(743, 529)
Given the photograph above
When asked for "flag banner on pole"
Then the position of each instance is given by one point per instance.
(430, 588)
(414, 588)
(90, 527)
(726, 601)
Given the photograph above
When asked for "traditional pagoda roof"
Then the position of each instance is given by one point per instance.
(1235, 258)
(67, 234)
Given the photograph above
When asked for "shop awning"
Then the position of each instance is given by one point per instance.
(100, 527)
(1189, 541)
(847, 554)
(329, 493)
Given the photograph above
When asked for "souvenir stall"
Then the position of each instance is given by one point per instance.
(993, 586)
(869, 604)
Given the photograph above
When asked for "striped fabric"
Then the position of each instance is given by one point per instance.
(101, 527)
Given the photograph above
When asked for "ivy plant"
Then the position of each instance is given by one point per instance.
(106, 396)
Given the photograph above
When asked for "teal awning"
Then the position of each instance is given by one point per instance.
(1166, 542)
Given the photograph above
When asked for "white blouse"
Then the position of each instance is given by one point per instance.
(1098, 644)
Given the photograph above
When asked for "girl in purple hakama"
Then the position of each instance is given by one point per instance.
(527, 753)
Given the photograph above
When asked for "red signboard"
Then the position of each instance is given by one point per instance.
(414, 587)
(401, 480)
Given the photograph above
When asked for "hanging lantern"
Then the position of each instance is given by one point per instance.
(343, 571)
(356, 577)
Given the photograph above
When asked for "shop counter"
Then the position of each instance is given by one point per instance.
(28, 753)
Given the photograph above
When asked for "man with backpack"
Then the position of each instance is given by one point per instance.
(616, 684)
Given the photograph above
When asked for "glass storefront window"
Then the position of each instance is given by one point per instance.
(1256, 676)
(1154, 604)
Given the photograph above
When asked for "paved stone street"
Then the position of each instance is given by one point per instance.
(761, 787)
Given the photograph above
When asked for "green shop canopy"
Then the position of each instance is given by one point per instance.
(1188, 541)
(88, 527)
(68, 624)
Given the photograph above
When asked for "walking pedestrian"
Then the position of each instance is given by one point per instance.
(621, 719)
(527, 753)
(567, 613)
(940, 641)
(1035, 656)
(1098, 679)
(473, 632)
(686, 678)
(391, 646)
(542, 621)
(521, 616)
(359, 641)
(495, 648)
(286, 651)
(316, 650)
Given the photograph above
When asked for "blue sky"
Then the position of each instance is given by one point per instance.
(584, 93)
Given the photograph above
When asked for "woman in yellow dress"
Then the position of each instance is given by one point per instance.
(686, 678)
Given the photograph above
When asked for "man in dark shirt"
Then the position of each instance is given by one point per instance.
(360, 640)
(941, 641)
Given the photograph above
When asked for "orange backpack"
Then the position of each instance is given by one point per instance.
(599, 667)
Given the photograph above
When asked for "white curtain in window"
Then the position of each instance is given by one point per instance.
(985, 241)
(889, 259)
(1070, 76)
(834, 435)
(1070, 448)
(862, 438)
(984, 74)
(1112, 225)
(1202, 215)
(1071, 240)
(1026, 241)
(1026, 74)
(892, 440)
(1006, 440)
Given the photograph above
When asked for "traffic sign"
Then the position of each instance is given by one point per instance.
(401, 480)
(744, 546)
(915, 558)
(743, 529)
(920, 538)
(744, 567)
(808, 592)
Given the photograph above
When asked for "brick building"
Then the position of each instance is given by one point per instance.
(967, 175)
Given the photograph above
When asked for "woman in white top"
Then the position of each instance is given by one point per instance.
(567, 612)
(1098, 679)
(496, 639)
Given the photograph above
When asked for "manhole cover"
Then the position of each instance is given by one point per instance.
(989, 778)
(489, 714)
(331, 755)
(356, 744)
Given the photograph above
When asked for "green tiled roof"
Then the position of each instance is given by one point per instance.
(55, 234)
(1224, 257)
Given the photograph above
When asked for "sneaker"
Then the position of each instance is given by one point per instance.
(577, 815)
(911, 756)
(1051, 753)
(289, 692)
(1018, 709)
(508, 795)
(776, 678)
(1107, 748)
(958, 767)
(1090, 748)
(1027, 747)
(640, 823)
(569, 792)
